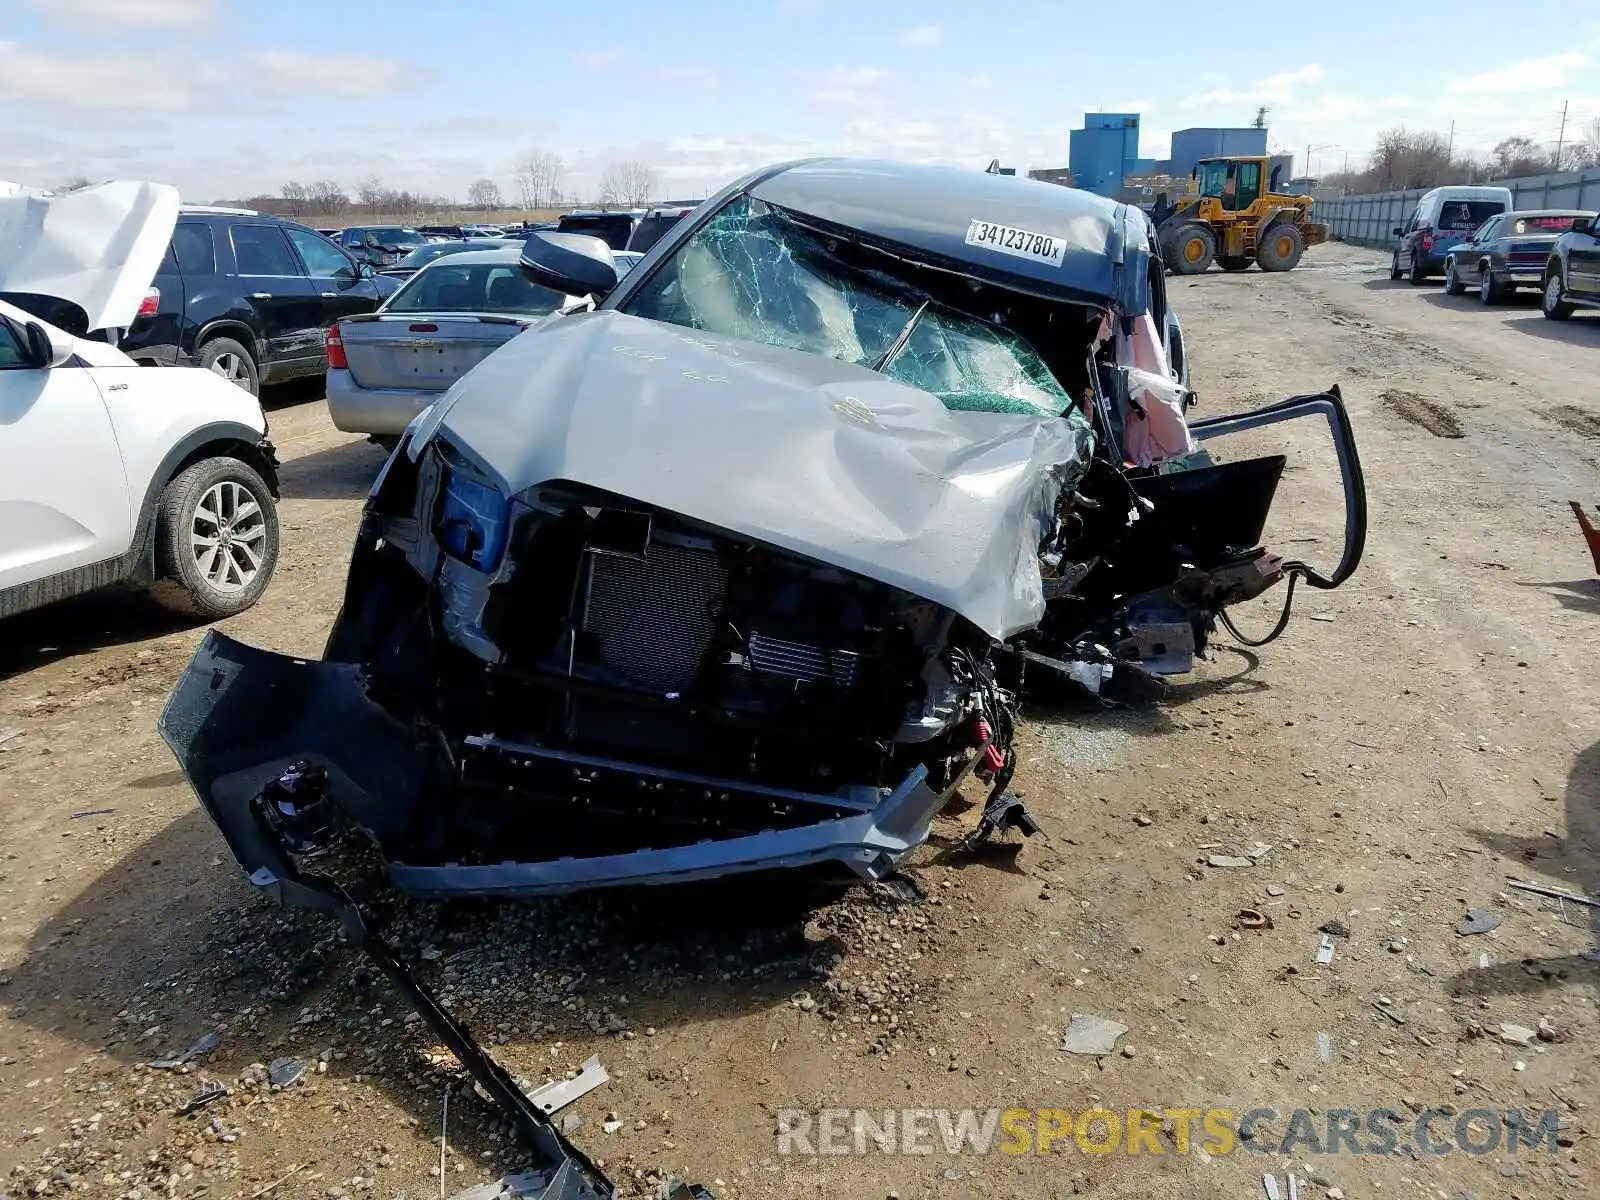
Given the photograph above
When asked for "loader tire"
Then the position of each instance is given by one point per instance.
(1194, 248)
(1234, 262)
(1281, 248)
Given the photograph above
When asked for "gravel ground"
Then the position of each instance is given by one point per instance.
(1414, 739)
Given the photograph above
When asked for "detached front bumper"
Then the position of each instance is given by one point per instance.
(240, 717)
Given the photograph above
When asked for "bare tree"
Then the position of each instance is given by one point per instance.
(327, 198)
(1586, 154)
(296, 195)
(537, 172)
(484, 193)
(76, 184)
(370, 191)
(627, 184)
(1518, 156)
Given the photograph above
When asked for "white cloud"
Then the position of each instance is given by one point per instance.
(703, 78)
(1274, 89)
(126, 12)
(89, 83)
(1529, 75)
(330, 74)
(922, 36)
(601, 60)
(847, 87)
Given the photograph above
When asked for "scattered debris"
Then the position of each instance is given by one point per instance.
(1335, 927)
(1325, 951)
(1388, 1012)
(93, 812)
(9, 734)
(612, 1123)
(204, 1044)
(1228, 860)
(210, 1090)
(276, 1183)
(553, 1097)
(1274, 890)
(1484, 962)
(1294, 1188)
(1250, 918)
(1517, 1035)
(1270, 1182)
(1092, 1035)
(285, 1072)
(1547, 1031)
(1478, 920)
(1324, 1045)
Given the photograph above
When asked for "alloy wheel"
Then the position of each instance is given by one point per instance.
(226, 536)
(231, 367)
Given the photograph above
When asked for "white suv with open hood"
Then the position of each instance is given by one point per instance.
(110, 472)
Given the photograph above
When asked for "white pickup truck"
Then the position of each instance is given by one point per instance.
(111, 472)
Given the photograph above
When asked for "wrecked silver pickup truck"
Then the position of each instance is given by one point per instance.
(743, 570)
(746, 568)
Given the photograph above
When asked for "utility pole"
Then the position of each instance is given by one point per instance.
(1450, 147)
(1562, 136)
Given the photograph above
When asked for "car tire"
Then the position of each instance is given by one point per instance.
(1488, 292)
(225, 357)
(1394, 268)
(1550, 302)
(1194, 248)
(1452, 282)
(216, 539)
(1418, 275)
(1234, 262)
(1281, 249)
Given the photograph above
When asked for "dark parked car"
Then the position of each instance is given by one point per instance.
(423, 255)
(1507, 252)
(381, 245)
(1572, 272)
(249, 297)
(614, 228)
(655, 223)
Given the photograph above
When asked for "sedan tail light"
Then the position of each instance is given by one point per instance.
(151, 304)
(336, 359)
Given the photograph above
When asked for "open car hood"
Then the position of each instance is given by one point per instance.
(97, 248)
(816, 456)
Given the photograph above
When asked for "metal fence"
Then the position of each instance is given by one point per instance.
(1371, 220)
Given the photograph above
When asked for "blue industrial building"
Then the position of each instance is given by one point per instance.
(1189, 146)
(1106, 151)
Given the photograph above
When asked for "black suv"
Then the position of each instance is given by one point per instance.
(249, 296)
(1572, 276)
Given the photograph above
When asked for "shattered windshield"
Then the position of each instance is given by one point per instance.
(752, 272)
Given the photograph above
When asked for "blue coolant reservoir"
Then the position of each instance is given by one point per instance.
(473, 521)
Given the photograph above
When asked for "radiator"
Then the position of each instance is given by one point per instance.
(653, 619)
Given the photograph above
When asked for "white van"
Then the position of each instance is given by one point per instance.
(1443, 217)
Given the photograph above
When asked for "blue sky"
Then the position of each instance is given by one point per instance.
(227, 98)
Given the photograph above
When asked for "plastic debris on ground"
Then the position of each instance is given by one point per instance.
(1092, 1035)
(1477, 920)
(210, 1090)
(282, 1072)
(204, 1044)
(1325, 951)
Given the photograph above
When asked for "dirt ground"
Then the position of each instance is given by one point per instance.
(1413, 740)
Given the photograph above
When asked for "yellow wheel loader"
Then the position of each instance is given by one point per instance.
(1235, 218)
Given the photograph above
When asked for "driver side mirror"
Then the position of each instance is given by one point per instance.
(573, 263)
(47, 349)
(1397, 231)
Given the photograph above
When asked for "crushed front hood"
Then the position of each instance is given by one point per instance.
(815, 456)
(97, 248)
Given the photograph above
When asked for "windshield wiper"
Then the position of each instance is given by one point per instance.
(901, 338)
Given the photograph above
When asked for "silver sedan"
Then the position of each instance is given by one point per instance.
(386, 367)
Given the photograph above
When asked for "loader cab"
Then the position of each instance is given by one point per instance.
(1235, 183)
